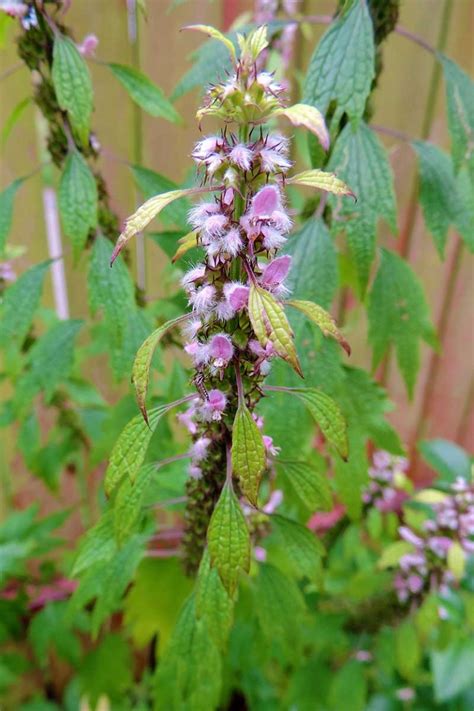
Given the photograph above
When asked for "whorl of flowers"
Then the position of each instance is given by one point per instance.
(439, 548)
(237, 325)
(387, 481)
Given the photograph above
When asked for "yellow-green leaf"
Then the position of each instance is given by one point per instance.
(142, 362)
(322, 180)
(213, 603)
(228, 539)
(248, 452)
(146, 212)
(215, 34)
(309, 117)
(73, 85)
(456, 560)
(392, 554)
(185, 244)
(322, 319)
(252, 45)
(327, 415)
(271, 325)
(130, 449)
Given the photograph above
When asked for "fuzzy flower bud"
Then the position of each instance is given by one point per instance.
(241, 156)
(203, 300)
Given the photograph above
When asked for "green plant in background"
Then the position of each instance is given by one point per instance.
(354, 582)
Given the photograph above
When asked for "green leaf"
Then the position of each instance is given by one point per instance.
(77, 200)
(320, 179)
(392, 553)
(349, 679)
(322, 319)
(128, 504)
(152, 183)
(213, 603)
(300, 545)
(460, 102)
(20, 302)
(452, 669)
(229, 539)
(145, 93)
(446, 458)
(309, 483)
(142, 362)
(105, 672)
(270, 325)
(275, 595)
(408, 653)
(97, 545)
(129, 451)
(360, 159)
(442, 202)
(51, 629)
(327, 415)
(189, 675)
(398, 315)
(351, 476)
(342, 66)
(73, 85)
(215, 34)
(13, 119)
(7, 197)
(248, 453)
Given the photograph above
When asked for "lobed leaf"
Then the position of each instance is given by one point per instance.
(309, 117)
(7, 198)
(248, 453)
(145, 93)
(228, 539)
(73, 86)
(322, 319)
(322, 180)
(149, 210)
(77, 200)
(341, 69)
(270, 324)
(309, 483)
(20, 302)
(142, 362)
(327, 415)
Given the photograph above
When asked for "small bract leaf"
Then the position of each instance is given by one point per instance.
(215, 34)
(248, 452)
(146, 212)
(145, 93)
(229, 539)
(322, 180)
(322, 319)
(7, 197)
(77, 200)
(271, 325)
(327, 415)
(130, 449)
(73, 86)
(309, 117)
(142, 362)
(186, 243)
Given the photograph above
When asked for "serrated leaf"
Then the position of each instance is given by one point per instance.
(228, 539)
(351, 477)
(327, 414)
(129, 451)
(398, 316)
(128, 504)
(7, 197)
(321, 180)
(342, 66)
(145, 93)
(442, 202)
(248, 452)
(77, 200)
(73, 86)
(301, 546)
(142, 362)
(213, 603)
(309, 483)
(275, 595)
(309, 117)
(147, 212)
(20, 302)
(152, 183)
(215, 34)
(186, 243)
(322, 319)
(359, 158)
(460, 102)
(96, 546)
(270, 325)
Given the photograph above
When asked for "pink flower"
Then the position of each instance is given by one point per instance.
(14, 8)
(241, 156)
(274, 161)
(232, 242)
(194, 471)
(415, 583)
(88, 45)
(275, 272)
(186, 419)
(203, 300)
(265, 202)
(408, 535)
(228, 196)
(221, 350)
(199, 352)
(260, 554)
(190, 328)
(194, 274)
(199, 448)
(214, 225)
(269, 446)
(236, 294)
(200, 213)
(276, 497)
(272, 238)
(214, 406)
(204, 149)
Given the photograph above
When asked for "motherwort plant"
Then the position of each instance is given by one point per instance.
(237, 296)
